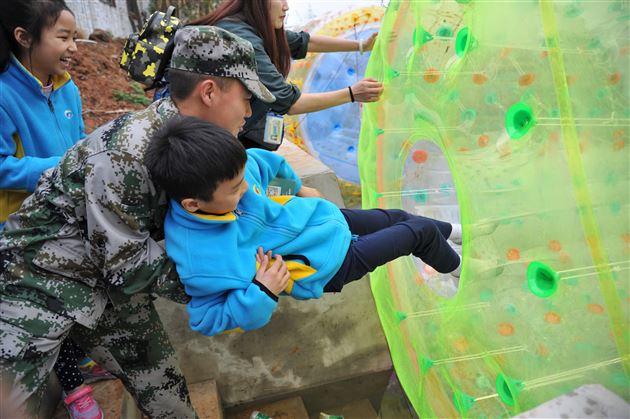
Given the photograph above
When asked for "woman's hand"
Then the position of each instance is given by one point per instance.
(368, 44)
(306, 192)
(367, 90)
(276, 277)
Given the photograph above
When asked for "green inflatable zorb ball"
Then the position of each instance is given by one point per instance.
(511, 118)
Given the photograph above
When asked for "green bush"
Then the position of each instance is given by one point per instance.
(136, 95)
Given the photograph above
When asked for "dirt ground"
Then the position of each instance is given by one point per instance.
(96, 72)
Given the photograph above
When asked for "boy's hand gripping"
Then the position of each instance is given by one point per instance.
(306, 192)
(274, 277)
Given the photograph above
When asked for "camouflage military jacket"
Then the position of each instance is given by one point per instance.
(89, 232)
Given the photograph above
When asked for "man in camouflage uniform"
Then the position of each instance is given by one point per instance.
(81, 257)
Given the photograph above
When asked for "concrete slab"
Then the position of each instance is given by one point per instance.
(313, 172)
(205, 399)
(358, 409)
(306, 344)
(587, 401)
(292, 408)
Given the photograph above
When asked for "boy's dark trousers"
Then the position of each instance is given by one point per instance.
(385, 235)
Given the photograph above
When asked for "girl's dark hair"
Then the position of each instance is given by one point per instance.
(256, 14)
(32, 15)
(188, 157)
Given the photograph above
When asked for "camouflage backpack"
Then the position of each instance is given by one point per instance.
(146, 54)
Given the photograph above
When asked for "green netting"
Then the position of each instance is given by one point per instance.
(513, 118)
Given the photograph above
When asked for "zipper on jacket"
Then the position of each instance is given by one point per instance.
(51, 106)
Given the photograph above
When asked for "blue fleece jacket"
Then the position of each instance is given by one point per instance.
(34, 131)
(215, 255)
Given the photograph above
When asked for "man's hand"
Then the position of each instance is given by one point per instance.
(306, 192)
(276, 277)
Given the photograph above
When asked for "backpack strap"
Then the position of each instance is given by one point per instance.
(169, 12)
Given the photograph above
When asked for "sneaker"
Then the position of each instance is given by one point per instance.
(93, 372)
(81, 405)
(479, 267)
(482, 228)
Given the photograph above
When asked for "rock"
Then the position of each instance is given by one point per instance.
(101, 35)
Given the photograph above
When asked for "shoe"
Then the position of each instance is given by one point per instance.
(93, 372)
(81, 405)
(479, 267)
(483, 228)
(458, 271)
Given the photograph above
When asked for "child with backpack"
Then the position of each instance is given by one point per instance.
(40, 118)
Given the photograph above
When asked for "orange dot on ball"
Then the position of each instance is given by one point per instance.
(483, 140)
(420, 156)
(614, 78)
(461, 345)
(431, 75)
(552, 317)
(595, 308)
(583, 146)
(555, 245)
(506, 329)
(513, 254)
(619, 145)
(419, 280)
(526, 79)
(479, 78)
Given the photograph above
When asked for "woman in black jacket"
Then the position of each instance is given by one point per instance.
(262, 23)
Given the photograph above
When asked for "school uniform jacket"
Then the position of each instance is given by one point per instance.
(35, 131)
(215, 255)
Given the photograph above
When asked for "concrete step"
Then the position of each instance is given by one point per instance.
(206, 400)
(292, 408)
(358, 409)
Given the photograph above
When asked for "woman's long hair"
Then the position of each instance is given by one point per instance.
(256, 14)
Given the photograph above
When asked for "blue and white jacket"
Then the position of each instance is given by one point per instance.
(215, 255)
(35, 131)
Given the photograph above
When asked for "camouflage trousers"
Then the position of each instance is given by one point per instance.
(129, 341)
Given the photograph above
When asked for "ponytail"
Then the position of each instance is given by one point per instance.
(31, 15)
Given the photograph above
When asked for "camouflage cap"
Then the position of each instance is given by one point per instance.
(217, 52)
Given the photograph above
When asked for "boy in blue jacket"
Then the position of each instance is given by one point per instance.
(220, 220)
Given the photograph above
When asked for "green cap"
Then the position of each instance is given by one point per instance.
(217, 52)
